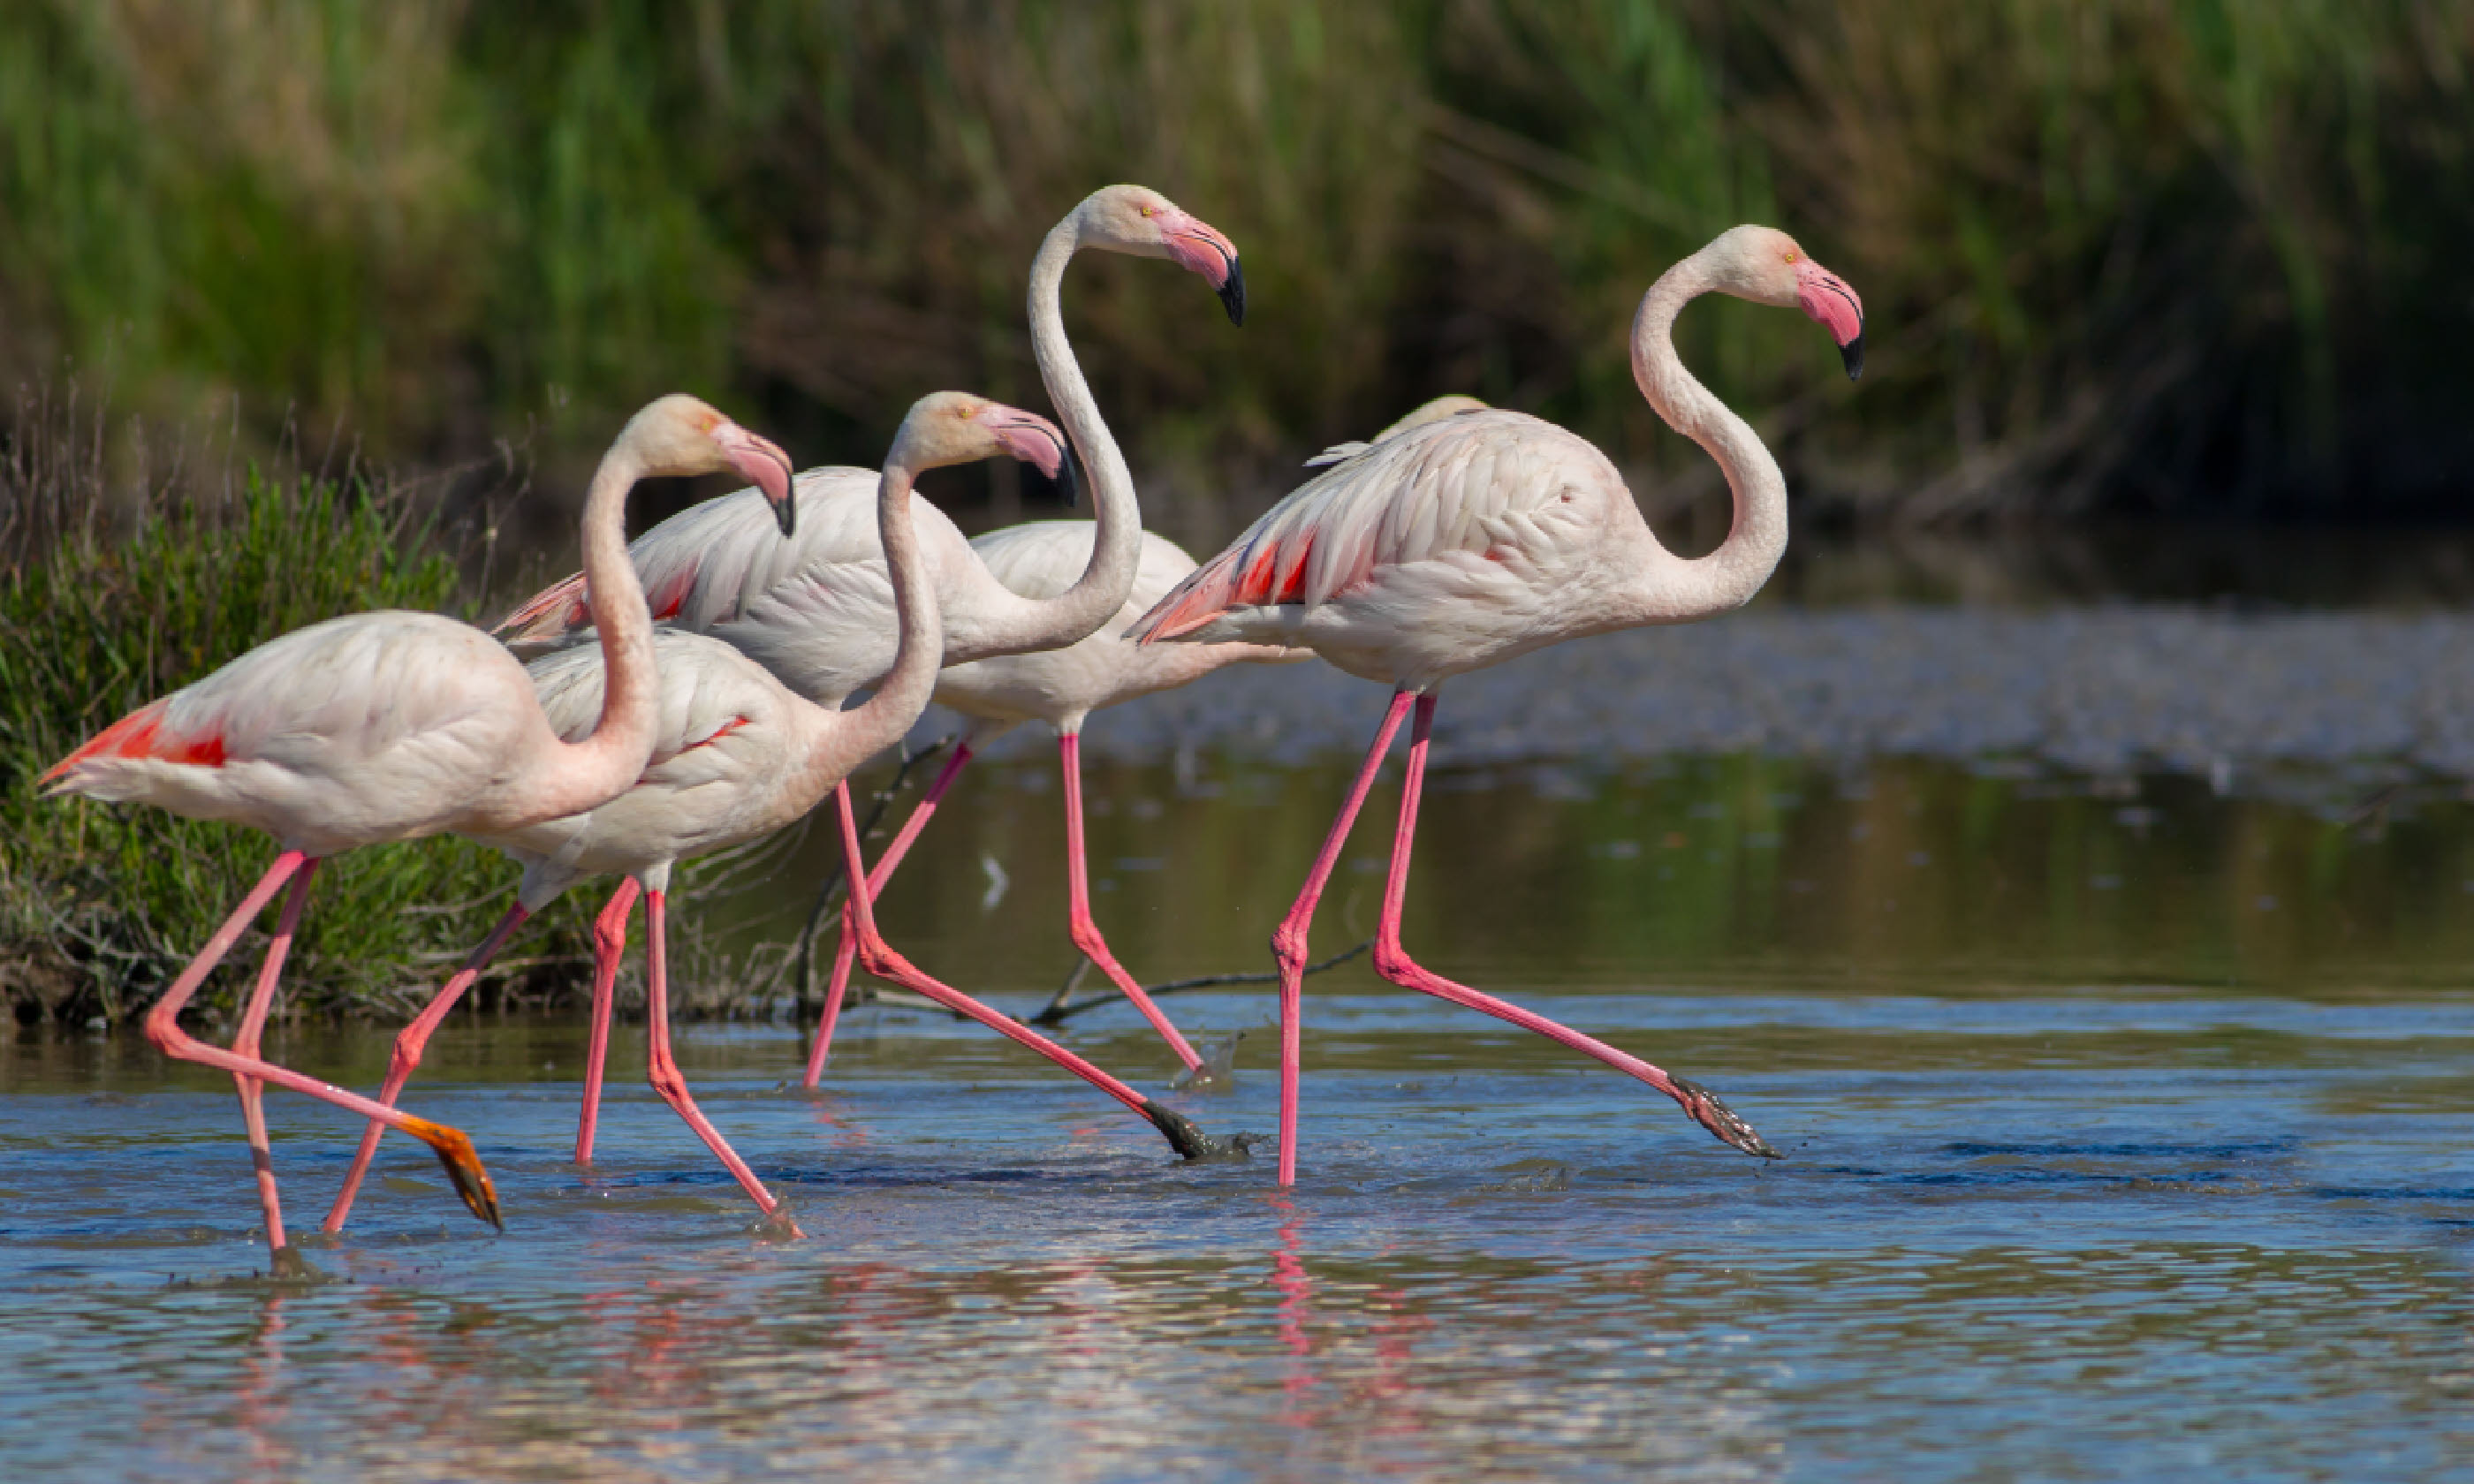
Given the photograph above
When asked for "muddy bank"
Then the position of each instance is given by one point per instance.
(2245, 700)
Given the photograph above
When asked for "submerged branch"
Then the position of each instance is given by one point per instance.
(1061, 1009)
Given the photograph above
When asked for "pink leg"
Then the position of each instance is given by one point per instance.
(1289, 940)
(879, 959)
(1393, 961)
(1077, 889)
(163, 1028)
(847, 950)
(406, 1055)
(253, 1022)
(673, 1087)
(608, 947)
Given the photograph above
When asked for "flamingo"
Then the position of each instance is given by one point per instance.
(818, 613)
(739, 757)
(395, 725)
(1479, 538)
(1062, 688)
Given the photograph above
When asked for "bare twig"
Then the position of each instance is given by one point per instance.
(1060, 1010)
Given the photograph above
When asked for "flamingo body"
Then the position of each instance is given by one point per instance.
(1446, 548)
(375, 726)
(724, 770)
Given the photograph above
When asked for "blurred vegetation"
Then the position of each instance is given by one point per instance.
(2181, 255)
(106, 603)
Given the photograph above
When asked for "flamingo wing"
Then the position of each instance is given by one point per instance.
(708, 562)
(1500, 486)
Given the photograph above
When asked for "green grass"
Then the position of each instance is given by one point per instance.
(2185, 254)
(112, 592)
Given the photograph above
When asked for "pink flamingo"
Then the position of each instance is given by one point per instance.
(1477, 538)
(1061, 687)
(818, 613)
(739, 757)
(393, 726)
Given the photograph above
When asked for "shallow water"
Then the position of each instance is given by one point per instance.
(2126, 1123)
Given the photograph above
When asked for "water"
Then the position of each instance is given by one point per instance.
(2126, 1126)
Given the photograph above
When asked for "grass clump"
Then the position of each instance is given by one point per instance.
(115, 589)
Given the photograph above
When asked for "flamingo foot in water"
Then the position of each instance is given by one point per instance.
(454, 1150)
(1705, 1109)
(285, 1265)
(1191, 1143)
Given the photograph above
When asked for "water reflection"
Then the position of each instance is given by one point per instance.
(1905, 877)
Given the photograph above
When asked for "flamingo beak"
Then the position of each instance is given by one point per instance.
(1070, 478)
(1826, 297)
(1232, 293)
(1035, 441)
(762, 462)
(1203, 248)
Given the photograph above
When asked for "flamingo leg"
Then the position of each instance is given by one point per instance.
(846, 951)
(1289, 940)
(253, 1093)
(878, 957)
(454, 1148)
(608, 947)
(672, 1086)
(1393, 961)
(406, 1055)
(1078, 887)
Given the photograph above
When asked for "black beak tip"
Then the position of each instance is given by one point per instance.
(1853, 355)
(1232, 293)
(785, 514)
(1069, 479)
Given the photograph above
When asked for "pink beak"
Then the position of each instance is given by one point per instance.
(1833, 305)
(762, 462)
(1203, 248)
(1026, 435)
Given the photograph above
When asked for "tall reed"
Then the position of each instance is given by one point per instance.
(2184, 255)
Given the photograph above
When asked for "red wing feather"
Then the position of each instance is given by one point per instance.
(140, 734)
(551, 612)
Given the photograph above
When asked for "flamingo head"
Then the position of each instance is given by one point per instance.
(955, 428)
(1764, 265)
(679, 435)
(1137, 220)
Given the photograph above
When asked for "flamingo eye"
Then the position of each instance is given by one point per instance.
(1150, 210)
(1790, 254)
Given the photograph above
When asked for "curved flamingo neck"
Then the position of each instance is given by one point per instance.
(588, 774)
(1728, 576)
(1020, 624)
(839, 741)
